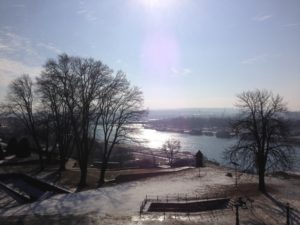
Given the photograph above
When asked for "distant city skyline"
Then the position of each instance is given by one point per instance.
(181, 53)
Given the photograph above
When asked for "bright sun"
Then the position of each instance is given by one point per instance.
(152, 3)
(155, 4)
(159, 6)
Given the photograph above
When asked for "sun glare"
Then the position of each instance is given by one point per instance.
(152, 3)
(155, 4)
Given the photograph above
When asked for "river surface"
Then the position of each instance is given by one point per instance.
(211, 146)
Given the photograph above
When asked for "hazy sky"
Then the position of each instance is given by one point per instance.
(181, 53)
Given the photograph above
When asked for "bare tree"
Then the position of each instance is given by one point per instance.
(79, 94)
(171, 147)
(119, 106)
(20, 103)
(57, 113)
(78, 82)
(262, 134)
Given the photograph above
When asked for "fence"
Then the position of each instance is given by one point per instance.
(181, 198)
(292, 215)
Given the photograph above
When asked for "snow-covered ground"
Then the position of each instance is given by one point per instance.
(120, 204)
(125, 199)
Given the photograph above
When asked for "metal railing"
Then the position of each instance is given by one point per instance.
(180, 198)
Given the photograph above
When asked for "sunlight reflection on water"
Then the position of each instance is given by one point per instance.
(210, 146)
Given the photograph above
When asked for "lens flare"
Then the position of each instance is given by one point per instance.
(160, 53)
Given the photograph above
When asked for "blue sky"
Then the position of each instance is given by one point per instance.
(181, 53)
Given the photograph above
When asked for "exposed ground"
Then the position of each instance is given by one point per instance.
(119, 204)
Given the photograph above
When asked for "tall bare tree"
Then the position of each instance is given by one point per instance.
(171, 147)
(119, 106)
(79, 83)
(20, 103)
(262, 134)
(57, 116)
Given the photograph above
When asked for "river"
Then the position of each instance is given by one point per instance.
(211, 146)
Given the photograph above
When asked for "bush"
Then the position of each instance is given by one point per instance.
(143, 163)
(184, 162)
(12, 146)
(229, 174)
(1, 153)
(23, 149)
(121, 155)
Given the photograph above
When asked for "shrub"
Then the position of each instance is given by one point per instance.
(229, 174)
(1, 153)
(143, 163)
(12, 146)
(23, 149)
(184, 162)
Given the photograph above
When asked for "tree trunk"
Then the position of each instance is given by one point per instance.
(39, 148)
(41, 160)
(83, 160)
(40, 157)
(62, 164)
(261, 180)
(101, 181)
(83, 175)
(62, 159)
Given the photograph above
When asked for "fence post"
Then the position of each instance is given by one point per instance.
(237, 219)
(141, 210)
(287, 214)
